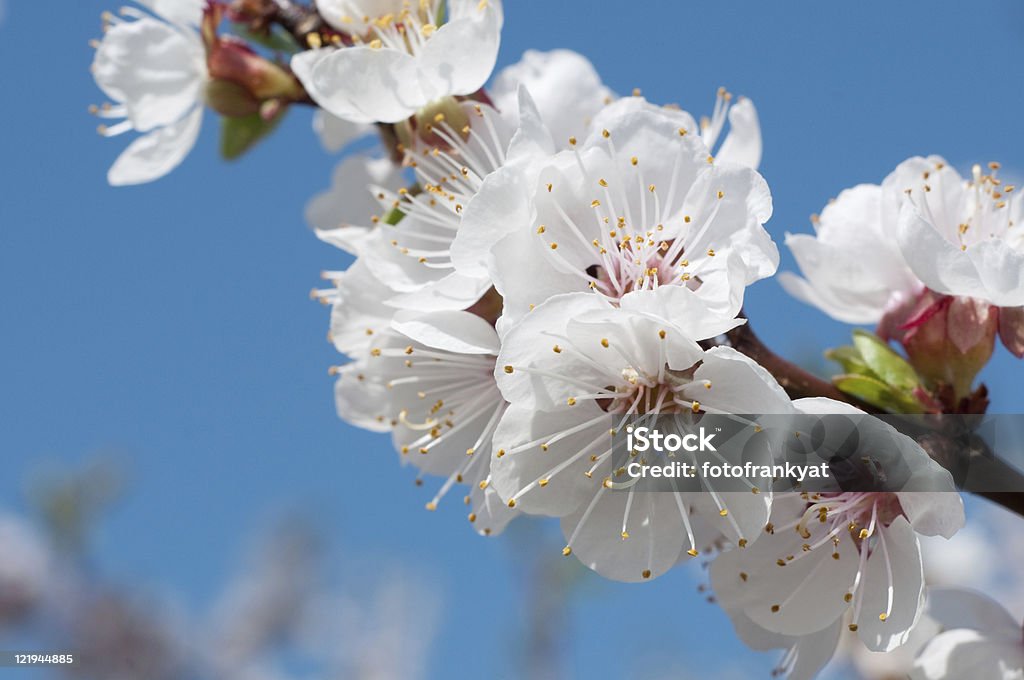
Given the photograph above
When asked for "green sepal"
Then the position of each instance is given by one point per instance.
(239, 135)
(875, 392)
(884, 362)
(850, 359)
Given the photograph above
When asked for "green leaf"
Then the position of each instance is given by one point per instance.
(277, 39)
(885, 362)
(850, 359)
(877, 393)
(394, 217)
(239, 135)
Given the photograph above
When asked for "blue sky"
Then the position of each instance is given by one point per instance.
(171, 323)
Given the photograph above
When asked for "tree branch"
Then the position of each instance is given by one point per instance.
(974, 466)
(301, 21)
(797, 382)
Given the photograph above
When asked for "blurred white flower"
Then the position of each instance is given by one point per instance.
(397, 57)
(154, 72)
(980, 640)
(637, 205)
(342, 215)
(573, 371)
(25, 564)
(430, 381)
(336, 133)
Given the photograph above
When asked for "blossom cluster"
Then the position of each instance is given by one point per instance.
(538, 259)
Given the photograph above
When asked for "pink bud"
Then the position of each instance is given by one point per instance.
(232, 60)
(948, 340)
(1011, 329)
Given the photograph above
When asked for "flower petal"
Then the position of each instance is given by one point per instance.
(743, 143)
(938, 263)
(336, 133)
(154, 155)
(567, 90)
(184, 12)
(453, 331)
(520, 462)
(734, 383)
(652, 522)
(341, 215)
(904, 574)
(460, 56)
(365, 85)
(156, 70)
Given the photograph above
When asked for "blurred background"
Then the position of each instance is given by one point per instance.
(178, 499)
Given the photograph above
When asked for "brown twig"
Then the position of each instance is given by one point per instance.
(973, 465)
(797, 382)
(301, 21)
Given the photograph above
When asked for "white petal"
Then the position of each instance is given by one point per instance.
(519, 468)
(366, 85)
(154, 68)
(958, 608)
(805, 596)
(652, 521)
(738, 384)
(451, 292)
(566, 88)
(740, 203)
(492, 513)
(907, 582)
(934, 513)
(185, 12)
(459, 332)
(532, 139)
(359, 315)
(743, 143)
(959, 654)
(335, 133)
(154, 155)
(1001, 270)
(341, 215)
(813, 652)
(528, 344)
(939, 264)
(460, 56)
(500, 206)
(687, 310)
(360, 402)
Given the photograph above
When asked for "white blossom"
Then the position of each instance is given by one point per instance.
(430, 382)
(639, 204)
(154, 72)
(399, 57)
(877, 246)
(980, 640)
(826, 556)
(573, 370)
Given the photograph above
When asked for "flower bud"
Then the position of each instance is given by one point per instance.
(230, 99)
(947, 339)
(1011, 329)
(232, 60)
